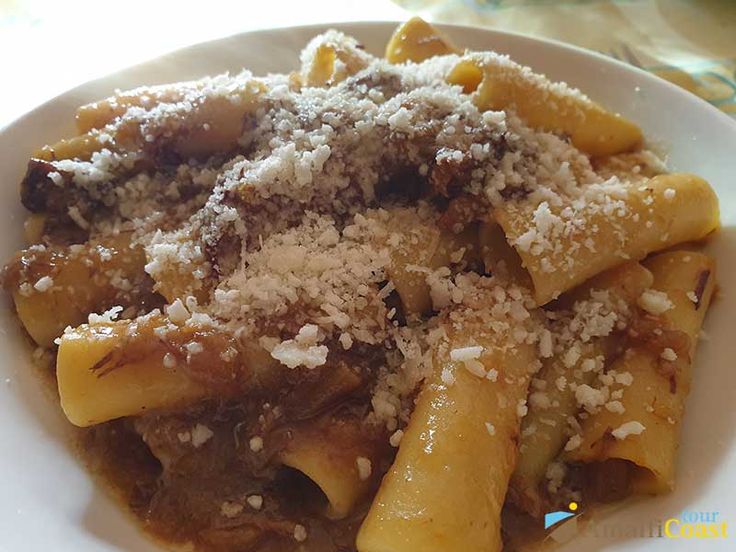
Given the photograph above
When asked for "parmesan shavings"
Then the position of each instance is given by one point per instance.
(655, 302)
(626, 429)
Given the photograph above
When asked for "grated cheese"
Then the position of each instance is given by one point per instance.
(200, 434)
(626, 429)
(655, 302)
(255, 501)
(300, 533)
(466, 353)
(44, 284)
(289, 246)
(364, 467)
(256, 444)
(573, 443)
(395, 438)
(668, 354)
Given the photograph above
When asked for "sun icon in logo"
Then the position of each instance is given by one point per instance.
(553, 518)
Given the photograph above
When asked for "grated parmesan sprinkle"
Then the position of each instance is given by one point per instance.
(626, 429)
(200, 434)
(655, 302)
(256, 444)
(396, 437)
(43, 284)
(364, 467)
(255, 501)
(300, 533)
(668, 354)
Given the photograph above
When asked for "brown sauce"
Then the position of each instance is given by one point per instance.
(184, 503)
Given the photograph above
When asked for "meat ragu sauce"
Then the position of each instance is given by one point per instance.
(184, 491)
(183, 501)
(188, 474)
(183, 494)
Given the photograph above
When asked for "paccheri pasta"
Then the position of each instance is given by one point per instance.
(384, 305)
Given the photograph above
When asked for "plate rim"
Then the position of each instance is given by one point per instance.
(10, 125)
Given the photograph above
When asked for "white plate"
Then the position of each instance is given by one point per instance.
(48, 501)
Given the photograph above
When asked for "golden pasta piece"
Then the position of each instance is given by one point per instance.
(180, 280)
(331, 58)
(417, 40)
(338, 455)
(108, 370)
(53, 289)
(447, 485)
(645, 432)
(217, 124)
(204, 124)
(423, 250)
(92, 392)
(96, 115)
(498, 256)
(322, 69)
(101, 113)
(625, 282)
(79, 147)
(498, 83)
(668, 210)
(545, 427)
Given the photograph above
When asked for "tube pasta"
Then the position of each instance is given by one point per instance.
(498, 256)
(80, 283)
(329, 452)
(127, 368)
(89, 395)
(331, 58)
(217, 123)
(200, 124)
(498, 83)
(79, 147)
(98, 114)
(655, 399)
(670, 209)
(205, 124)
(429, 249)
(417, 40)
(545, 429)
(447, 485)
(178, 281)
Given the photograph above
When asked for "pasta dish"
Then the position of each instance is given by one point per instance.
(396, 304)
